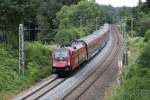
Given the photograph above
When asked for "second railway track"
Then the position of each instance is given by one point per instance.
(38, 91)
(97, 73)
(55, 81)
(44, 89)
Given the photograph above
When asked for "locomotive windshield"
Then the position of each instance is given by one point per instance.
(61, 54)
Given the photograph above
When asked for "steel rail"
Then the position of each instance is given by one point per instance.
(45, 89)
(115, 55)
(28, 94)
(42, 90)
(115, 50)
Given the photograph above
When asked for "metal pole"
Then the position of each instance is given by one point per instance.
(125, 48)
(21, 49)
(132, 25)
(96, 23)
(123, 35)
(80, 23)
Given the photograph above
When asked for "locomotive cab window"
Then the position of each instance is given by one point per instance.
(61, 55)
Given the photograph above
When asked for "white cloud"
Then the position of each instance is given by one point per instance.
(119, 3)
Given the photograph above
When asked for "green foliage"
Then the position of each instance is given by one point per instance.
(46, 17)
(69, 2)
(110, 15)
(38, 65)
(33, 14)
(124, 11)
(147, 36)
(132, 33)
(136, 79)
(36, 52)
(77, 17)
(134, 88)
(135, 46)
(144, 58)
(8, 69)
(65, 35)
(37, 60)
(145, 6)
(44, 25)
(13, 12)
(143, 25)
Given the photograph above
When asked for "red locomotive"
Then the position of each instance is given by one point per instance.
(66, 59)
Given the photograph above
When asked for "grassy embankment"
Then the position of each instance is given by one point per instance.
(38, 65)
(136, 78)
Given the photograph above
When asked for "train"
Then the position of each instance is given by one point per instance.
(68, 58)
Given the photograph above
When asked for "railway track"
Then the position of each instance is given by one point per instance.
(70, 86)
(74, 94)
(91, 78)
(44, 89)
(39, 91)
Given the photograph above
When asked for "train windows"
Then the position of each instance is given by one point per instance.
(61, 55)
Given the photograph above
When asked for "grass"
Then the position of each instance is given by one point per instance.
(136, 79)
(38, 65)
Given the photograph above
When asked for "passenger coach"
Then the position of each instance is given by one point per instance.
(66, 59)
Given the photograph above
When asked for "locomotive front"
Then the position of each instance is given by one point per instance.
(60, 60)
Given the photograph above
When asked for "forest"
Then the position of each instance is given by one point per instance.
(135, 81)
(51, 23)
(49, 20)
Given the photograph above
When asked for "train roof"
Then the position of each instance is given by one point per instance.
(95, 34)
(81, 42)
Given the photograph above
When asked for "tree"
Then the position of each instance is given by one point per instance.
(66, 32)
(46, 17)
(13, 13)
(146, 6)
(147, 36)
(68, 2)
(81, 17)
(143, 24)
(144, 62)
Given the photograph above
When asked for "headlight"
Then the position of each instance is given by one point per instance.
(53, 64)
(68, 63)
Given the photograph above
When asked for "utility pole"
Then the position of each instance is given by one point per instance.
(132, 24)
(96, 19)
(21, 49)
(124, 40)
(80, 24)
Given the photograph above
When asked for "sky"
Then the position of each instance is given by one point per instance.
(119, 3)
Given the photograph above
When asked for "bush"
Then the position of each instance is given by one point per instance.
(36, 52)
(144, 58)
(147, 36)
(136, 79)
(38, 60)
(38, 66)
(144, 61)
(132, 33)
(134, 88)
(143, 25)
(8, 69)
